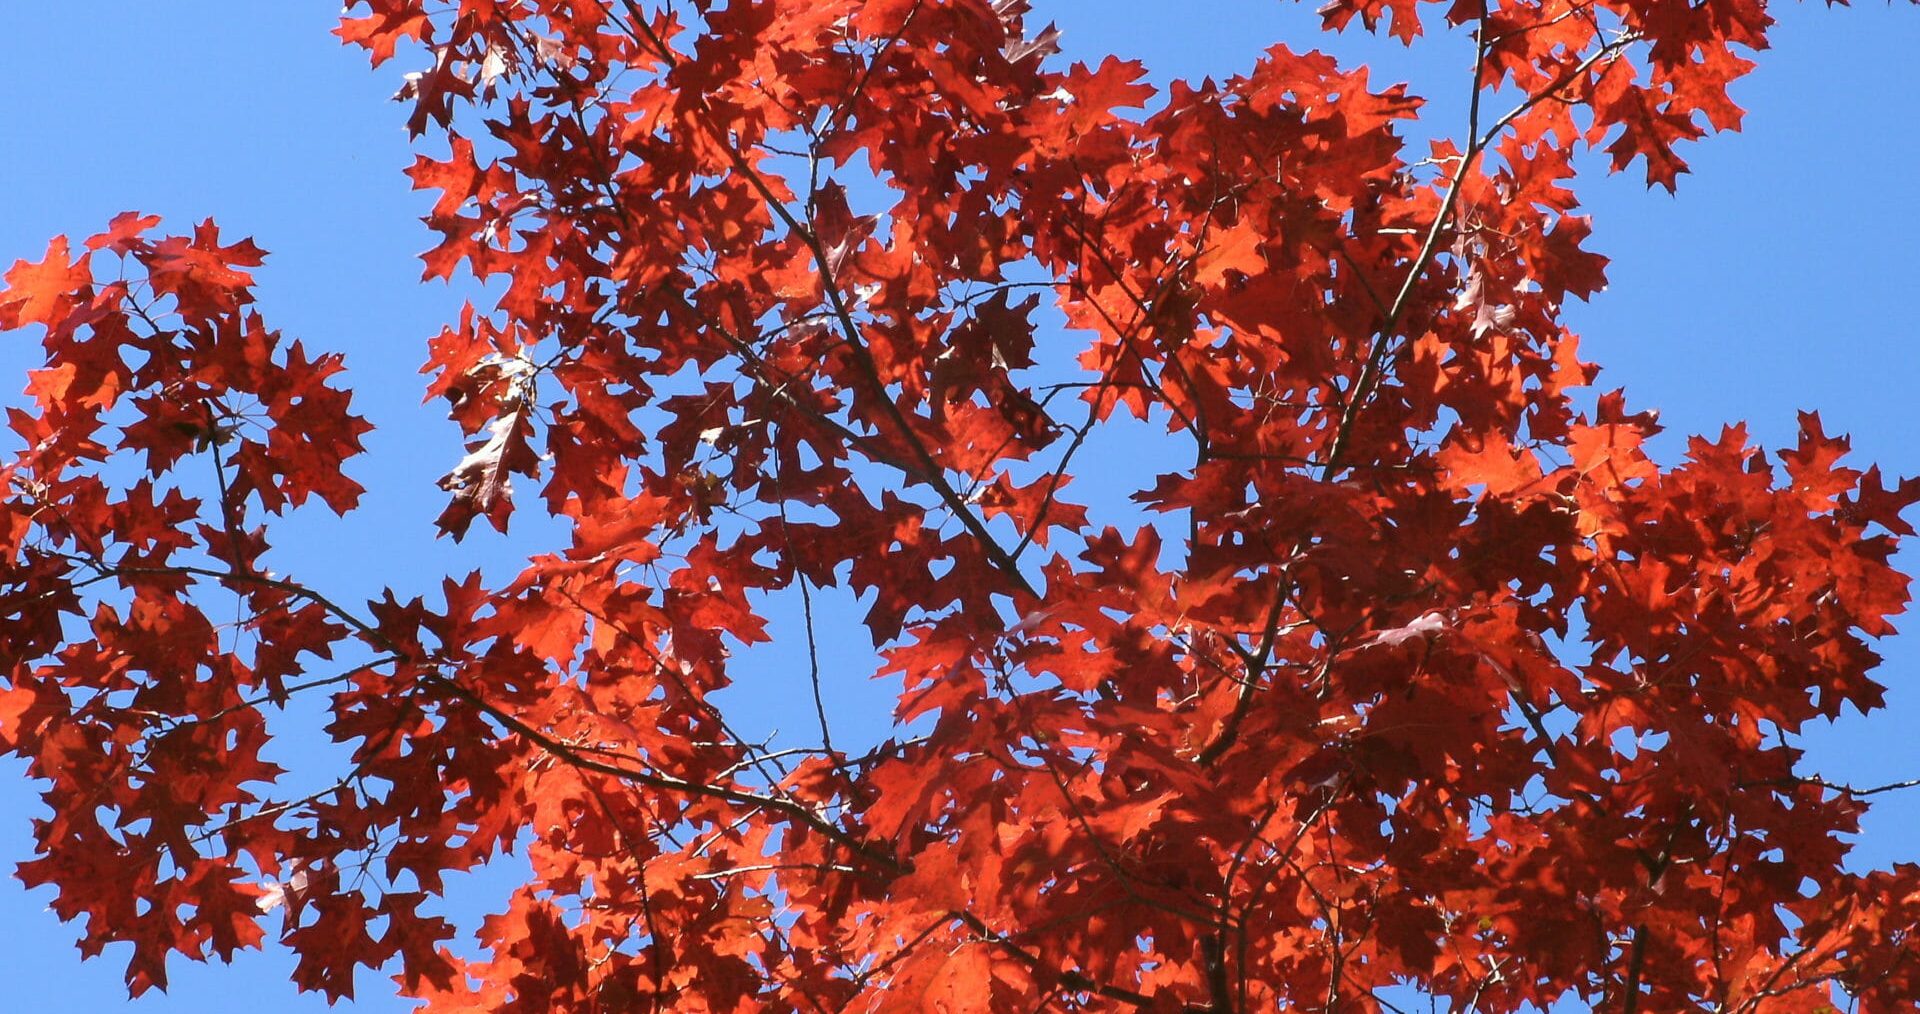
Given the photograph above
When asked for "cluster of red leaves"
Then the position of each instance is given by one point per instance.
(1440, 681)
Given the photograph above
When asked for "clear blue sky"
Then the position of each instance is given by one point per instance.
(1781, 278)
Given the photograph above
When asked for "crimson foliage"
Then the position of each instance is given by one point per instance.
(1426, 675)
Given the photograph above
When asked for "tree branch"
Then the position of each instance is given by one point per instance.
(1372, 369)
(1072, 979)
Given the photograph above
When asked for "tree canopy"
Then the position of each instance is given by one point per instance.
(1424, 674)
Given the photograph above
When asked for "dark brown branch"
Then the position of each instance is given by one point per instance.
(934, 475)
(1257, 662)
(1477, 144)
(1636, 962)
(787, 807)
(1375, 364)
(1840, 787)
(1071, 979)
(878, 857)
